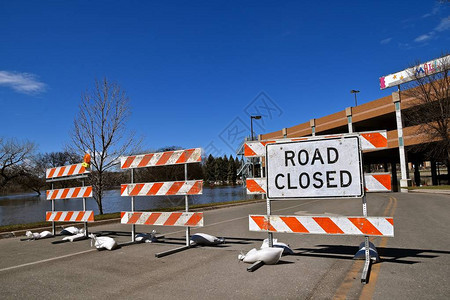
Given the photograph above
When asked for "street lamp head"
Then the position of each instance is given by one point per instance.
(354, 91)
(256, 117)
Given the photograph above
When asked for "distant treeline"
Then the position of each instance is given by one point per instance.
(29, 175)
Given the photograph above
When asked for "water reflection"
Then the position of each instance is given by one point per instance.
(26, 208)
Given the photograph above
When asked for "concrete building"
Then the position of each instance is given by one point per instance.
(381, 114)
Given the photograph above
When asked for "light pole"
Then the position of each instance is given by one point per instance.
(251, 123)
(355, 92)
(251, 129)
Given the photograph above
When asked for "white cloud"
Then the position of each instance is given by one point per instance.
(25, 83)
(385, 41)
(423, 37)
(443, 25)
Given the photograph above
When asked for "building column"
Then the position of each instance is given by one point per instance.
(312, 123)
(405, 182)
(348, 112)
(434, 179)
(417, 173)
(394, 176)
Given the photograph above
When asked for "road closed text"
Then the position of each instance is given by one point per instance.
(318, 168)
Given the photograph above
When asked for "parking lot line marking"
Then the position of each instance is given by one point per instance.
(45, 260)
(170, 233)
(369, 289)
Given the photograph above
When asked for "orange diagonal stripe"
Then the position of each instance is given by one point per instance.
(145, 160)
(91, 217)
(76, 192)
(61, 171)
(328, 225)
(390, 220)
(72, 169)
(128, 162)
(376, 139)
(196, 188)
(263, 223)
(173, 218)
(123, 188)
(58, 215)
(88, 192)
(50, 174)
(80, 216)
(152, 218)
(384, 179)
(196, 217)
(134, 218)
(365, 226)
(64, 193)
(294, 224)
(48, 215)
(176, 186)
(248, 152)
(68, 216)
(137, 188)
(164, 158)
(253, 186)
(155, 188)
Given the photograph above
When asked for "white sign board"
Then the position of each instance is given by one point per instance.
(425, 69)
(323, 168)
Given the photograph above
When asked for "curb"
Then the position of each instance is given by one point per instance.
(425, 191)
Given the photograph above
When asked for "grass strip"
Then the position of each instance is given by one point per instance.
(430, 187)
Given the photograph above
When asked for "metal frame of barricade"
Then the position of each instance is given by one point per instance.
(185, 188)
(69, 172)
(382, 183)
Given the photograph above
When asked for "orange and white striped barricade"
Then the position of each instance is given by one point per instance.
(374, 182)
(337, 225)
(75, 171)
(185, 187)
(370, 140)
(320, 167)
(378, 182)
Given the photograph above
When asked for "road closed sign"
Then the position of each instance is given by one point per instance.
(322, 168)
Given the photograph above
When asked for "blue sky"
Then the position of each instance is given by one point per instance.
(195, 70)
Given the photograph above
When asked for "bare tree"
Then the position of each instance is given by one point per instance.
(34, 177)
(431, 107)
(13, 158)
(100, 129)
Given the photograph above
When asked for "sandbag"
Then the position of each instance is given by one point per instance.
(146, 237)
(269, 256)
(45, 234)
(75, 237)
(36, 235)
(286, 248)
(33, 235)
(204, 239)
(71, 230)
(103, 242)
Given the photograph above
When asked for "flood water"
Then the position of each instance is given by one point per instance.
(27, 208)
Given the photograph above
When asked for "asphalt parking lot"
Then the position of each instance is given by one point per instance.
(415, 263)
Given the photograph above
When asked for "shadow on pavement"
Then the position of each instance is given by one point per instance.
(390, 255)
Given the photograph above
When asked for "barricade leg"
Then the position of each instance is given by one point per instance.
(366, 270)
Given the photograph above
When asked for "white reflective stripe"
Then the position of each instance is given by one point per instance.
(174, 157)
(252, 225)
(345, 225)
(278, 224)
(383, 225)
(260, 182)
(182, 218)
(311, 225)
